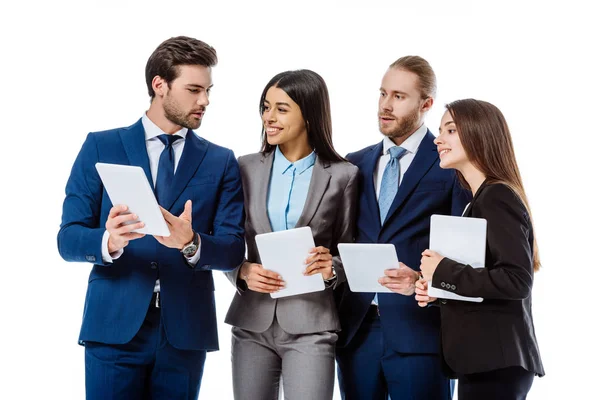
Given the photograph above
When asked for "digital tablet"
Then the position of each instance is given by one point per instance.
(285, 252)
(128, 185)
(365, 263)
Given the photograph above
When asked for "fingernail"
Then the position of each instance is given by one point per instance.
(135, 216)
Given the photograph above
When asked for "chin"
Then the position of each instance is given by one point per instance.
(272, 141)
(385, 131)
(445, 164)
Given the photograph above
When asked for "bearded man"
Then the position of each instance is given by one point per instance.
(388, 345)
(149, 315)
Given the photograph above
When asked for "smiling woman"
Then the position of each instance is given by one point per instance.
(295, 336)
(490, 346)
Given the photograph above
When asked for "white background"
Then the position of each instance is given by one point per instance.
(68, 69)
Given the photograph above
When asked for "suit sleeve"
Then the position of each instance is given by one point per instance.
(80, 236)
(224, 249)
(345, 224)
(508, 273)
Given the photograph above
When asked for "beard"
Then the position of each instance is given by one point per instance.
(403, 127)
(179, 117)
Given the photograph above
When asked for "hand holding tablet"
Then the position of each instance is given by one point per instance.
(127, 185)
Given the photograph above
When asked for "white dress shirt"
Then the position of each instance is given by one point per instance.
(154, 147)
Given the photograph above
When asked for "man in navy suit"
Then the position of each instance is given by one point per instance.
(388, 345)
(149, 315)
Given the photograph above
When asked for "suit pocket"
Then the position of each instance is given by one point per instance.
(99, 273)
(201, 180)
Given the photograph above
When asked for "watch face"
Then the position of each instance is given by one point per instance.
(189, 250)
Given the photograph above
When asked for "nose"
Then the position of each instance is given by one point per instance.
(268, 116)
(438, 140)
(203, 99)
(385, 103)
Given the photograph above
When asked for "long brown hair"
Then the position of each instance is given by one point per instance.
(485, 136)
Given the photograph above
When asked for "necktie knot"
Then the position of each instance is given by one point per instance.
(396, 152)
(168, 140)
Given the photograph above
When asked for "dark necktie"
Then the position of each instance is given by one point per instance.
(166, 168)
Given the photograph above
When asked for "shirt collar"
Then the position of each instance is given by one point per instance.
(411, 144)
(152, 130)
(281, 164)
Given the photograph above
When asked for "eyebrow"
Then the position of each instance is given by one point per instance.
(197, 86)
(394, 91)
(446, 124)
(279, 103)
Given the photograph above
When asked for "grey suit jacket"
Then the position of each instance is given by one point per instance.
(329, 211)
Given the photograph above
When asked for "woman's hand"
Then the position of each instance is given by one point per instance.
(259, 279)
(429, 262)
(421, 293)
(320, 261)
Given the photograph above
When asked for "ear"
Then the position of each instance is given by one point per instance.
(159, 85)
(427, 104)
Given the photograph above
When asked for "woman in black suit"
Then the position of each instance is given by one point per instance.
(489, 346)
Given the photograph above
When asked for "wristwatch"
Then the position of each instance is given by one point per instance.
(190, 249)
(329, 282)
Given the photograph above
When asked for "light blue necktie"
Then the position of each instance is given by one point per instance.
(389, 185)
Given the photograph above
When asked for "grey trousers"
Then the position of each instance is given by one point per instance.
(306, 363)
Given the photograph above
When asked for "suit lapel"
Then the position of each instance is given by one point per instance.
(424, 159)
(319, 182)
(193, 154)
(371, 162)
(134, 143)
(259, 190)
(468, 210)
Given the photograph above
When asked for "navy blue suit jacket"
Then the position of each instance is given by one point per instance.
(426, 189)
(118, 294)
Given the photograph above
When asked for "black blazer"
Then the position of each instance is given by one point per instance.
(498, 332)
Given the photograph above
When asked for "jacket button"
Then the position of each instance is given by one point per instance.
(443, 284)
(153, 265)
(453, 287)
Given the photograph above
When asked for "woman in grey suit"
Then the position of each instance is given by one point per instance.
(297, 180)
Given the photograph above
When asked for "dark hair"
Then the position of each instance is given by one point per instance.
(420, 67)
(309, 91)
(485, 136)
(172, 53)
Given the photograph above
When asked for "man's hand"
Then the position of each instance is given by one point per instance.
(400, 280)
(180, 228)
(429, 263)
(120, 228)
(320, 261)
(259, 279)
(421, 293)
